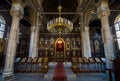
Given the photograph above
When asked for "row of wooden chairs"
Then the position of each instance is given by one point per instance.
(88, 65)
(31, 64)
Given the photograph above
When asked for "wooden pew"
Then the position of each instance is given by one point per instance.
(75, 68)
(45, 65)
(91, 64)
(28, 64)
(39, 64)
(103, 60)
(22, 64)
(16, 64)
(80, 61)
(34, 65)
(86, 64)
(98, 64)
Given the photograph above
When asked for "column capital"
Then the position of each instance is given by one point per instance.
(103, 9)
(17, 10)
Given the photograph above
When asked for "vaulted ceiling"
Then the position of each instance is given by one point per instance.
(67, 7)
(71, 9)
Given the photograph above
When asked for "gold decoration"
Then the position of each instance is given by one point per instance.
(59, 25)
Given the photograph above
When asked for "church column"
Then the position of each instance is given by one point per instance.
(33, 50)
(85, 42)
(37, 33)
(103, 14)
(16, 13)
(88, 48)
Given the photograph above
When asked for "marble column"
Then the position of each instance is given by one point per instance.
(103, 14)
(32, 49)
(87, 43)
(86, 50)
(34, 40)
(17, 14)
(82, 43)
(37, 33)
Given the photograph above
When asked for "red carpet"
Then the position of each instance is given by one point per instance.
(59, 73)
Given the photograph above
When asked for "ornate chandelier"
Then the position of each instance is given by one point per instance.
(59, 25)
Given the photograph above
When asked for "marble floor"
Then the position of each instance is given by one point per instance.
(80, 77)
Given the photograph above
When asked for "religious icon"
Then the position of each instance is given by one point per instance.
(97, 45)
(59, 46)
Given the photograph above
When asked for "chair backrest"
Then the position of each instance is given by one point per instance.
(17, 59)
(80, 60)
(34, 60)
(103, 60)
(97, 59)
(85, 59)
(24, 59)
(74, 59)
(45, 59)
(91, 59)
(39, 60)
(29, 59)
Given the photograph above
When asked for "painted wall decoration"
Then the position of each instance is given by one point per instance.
(52, 41)
(97, 46)
(67, 43)
(60, 45)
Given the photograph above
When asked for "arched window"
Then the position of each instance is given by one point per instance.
(117, 29)
(2, 26)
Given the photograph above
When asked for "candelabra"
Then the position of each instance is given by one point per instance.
(59, 25)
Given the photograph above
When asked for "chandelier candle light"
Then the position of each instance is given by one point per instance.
(59, 25)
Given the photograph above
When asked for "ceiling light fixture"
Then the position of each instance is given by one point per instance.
(59, 25)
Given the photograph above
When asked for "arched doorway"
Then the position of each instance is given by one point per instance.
(60, 50)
